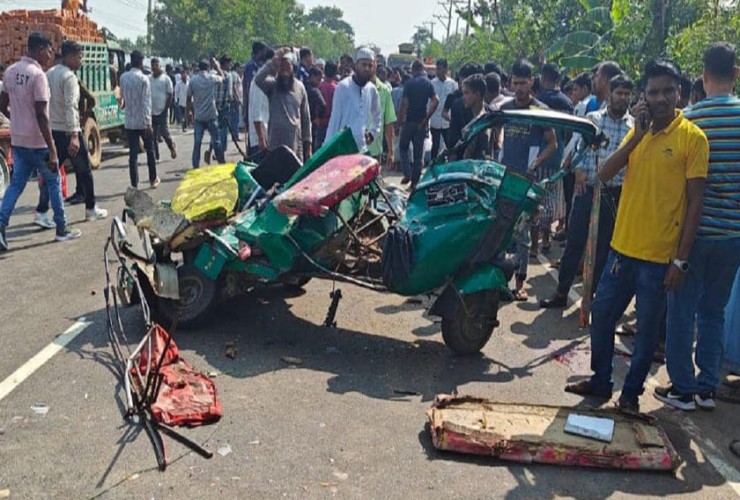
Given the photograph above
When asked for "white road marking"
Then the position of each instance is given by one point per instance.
(26, 370)
(707, 447)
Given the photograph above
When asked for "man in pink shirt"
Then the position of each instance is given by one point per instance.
(327, 89)
(25, 99)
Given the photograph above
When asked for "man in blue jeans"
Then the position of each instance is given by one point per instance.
(417, 107)
(666, 159)
(26, 93)
(614, 121)
(715, 257)
(202, 104)
(137, 102)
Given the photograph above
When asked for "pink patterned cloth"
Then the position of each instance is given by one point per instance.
(328, 185)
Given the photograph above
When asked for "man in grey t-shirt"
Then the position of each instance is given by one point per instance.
(290, 117)
(202, 105)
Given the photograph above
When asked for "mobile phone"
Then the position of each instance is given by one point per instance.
(644, 117)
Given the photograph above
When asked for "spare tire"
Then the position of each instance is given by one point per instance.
(91, 133)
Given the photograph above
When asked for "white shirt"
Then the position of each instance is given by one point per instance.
(161, 88)
(181, 92)
(356, 108)
(442, 89)
(579, 110)
(259, 111)
(64, 113)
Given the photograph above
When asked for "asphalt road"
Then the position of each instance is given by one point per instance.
(337, 425)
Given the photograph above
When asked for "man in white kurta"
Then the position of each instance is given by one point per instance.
(357, 104)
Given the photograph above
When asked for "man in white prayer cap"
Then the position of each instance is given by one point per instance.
(290, 118)
(361, 115)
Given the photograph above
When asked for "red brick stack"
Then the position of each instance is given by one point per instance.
(57, 24)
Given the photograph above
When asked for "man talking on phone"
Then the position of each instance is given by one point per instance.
(26, 95)
(665, 161)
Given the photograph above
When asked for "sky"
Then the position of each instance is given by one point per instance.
(386, 23)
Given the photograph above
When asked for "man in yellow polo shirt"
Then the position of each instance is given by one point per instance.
(666, 157)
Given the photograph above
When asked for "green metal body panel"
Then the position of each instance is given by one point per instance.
(487, 277)
(271, 231)
(446, 234)
(95, 76)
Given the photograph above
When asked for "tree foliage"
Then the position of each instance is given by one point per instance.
(190, 29)
(331, 18)
(578, 33)
(129, 45)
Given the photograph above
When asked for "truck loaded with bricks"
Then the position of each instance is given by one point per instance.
(102, 62)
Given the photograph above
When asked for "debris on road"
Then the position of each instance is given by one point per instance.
(5, 493)
(528, 433)
(342, 476)
(292, 361)
(40, 409)
(231, 350)
(405, 392)
(224, 450)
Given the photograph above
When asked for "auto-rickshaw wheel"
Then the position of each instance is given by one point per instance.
(467, 331)
(198, 298)
(297, 283)
(4, 174)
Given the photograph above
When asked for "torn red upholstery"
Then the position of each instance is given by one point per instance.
(328, 185)
(186, 397)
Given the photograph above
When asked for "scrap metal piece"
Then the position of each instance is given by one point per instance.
(166, 223)
(140, 203)
(165, 276)
(331, 314)
(528, 433)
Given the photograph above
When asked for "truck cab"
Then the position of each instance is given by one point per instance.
(102, 63)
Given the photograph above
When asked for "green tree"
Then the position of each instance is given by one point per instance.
(325, 43)
(129, 45)
(721, 22)
(190, 29)
(331, 18)
(578, 33)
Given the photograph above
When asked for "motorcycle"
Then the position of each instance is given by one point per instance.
(231, 228)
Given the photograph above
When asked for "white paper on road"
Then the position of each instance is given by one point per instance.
(601, 429)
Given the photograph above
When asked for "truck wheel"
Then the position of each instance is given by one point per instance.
(92, 137)
(4, 174)
(198, 298)
(469, 329)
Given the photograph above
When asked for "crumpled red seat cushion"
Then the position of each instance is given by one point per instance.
(186, 396)
(328, 185)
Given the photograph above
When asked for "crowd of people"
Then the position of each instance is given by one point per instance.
(668, 173)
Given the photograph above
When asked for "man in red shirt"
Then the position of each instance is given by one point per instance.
(327, 88)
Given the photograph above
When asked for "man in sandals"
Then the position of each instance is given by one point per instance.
(666, 160)
(522, 151)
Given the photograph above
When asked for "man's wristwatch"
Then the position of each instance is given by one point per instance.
(683, 265)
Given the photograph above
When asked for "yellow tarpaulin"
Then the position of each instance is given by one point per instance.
(207, 193)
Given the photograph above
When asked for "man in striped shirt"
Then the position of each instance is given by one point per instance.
(715, 256)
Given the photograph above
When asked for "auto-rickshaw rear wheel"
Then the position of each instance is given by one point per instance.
(467, 331)
(4, 174)
(198, 299)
